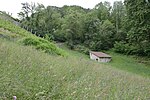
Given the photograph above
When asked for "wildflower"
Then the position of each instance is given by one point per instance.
(14, 97)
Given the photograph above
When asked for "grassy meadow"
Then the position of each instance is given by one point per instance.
(34, 75)
(119, 61)
(130, 64)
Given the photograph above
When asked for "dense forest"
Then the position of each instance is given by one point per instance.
(123, 27)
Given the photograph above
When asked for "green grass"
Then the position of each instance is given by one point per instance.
(13, 28)
(129, 64)
(119, 61)
(33, 75)
(9, 35)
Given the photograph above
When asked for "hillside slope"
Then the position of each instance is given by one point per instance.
(10, 31)
(33, 75)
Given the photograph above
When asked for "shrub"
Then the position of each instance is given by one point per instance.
(119, 47)
(30, 41)
(43, 44)
(125, 48)
(122, 47)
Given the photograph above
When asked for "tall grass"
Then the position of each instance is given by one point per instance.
(8, 35)
(13, 28)
(33, 75)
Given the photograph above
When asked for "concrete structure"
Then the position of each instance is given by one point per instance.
(100, 56)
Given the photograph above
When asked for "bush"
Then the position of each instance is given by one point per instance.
(122, 47)
(125, 48)
(43, 44)
(30, 41)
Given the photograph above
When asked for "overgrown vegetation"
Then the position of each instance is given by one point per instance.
(33, 75)
(10, 31)
(43, 44)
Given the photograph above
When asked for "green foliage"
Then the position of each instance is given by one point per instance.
(125, 48)
(118, 17)
(138, 12)
(49, 37)
(97, 28)
(43, 44)
(103, 10)
(121, 47)
(82, 49)
(13, 28)
(75, 25)
(99, 36)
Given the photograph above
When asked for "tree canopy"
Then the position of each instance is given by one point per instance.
(124, 25)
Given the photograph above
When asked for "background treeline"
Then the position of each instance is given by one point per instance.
(125, 27)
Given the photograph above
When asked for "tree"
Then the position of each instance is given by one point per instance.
(27, 10)
(118, 17)
(103, 10)
(138, 12)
